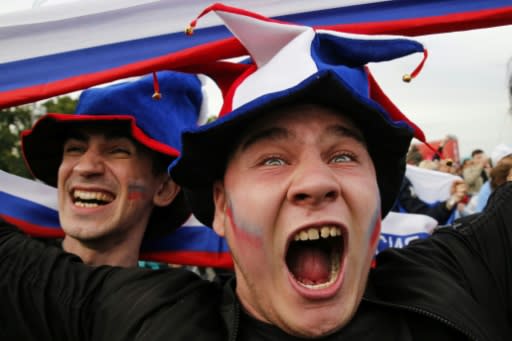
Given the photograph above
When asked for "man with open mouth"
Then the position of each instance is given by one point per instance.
(109, 161)
(306, 158)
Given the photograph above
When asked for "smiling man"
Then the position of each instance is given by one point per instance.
(109, 163)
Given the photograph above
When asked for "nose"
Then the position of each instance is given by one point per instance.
(89, 164)
(313, 184)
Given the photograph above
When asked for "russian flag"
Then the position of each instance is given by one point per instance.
(58, 49)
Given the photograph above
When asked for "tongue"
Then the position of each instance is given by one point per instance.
(310, 266)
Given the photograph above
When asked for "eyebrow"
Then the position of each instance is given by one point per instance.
(273, 133)
(278, 133)
(342, 131)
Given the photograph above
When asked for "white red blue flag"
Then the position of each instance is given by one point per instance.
(399, 229)
(48, 51)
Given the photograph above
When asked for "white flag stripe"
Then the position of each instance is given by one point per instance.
(28, 189)
(430, 185)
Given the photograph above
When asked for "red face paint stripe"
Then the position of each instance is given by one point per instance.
(136, 192)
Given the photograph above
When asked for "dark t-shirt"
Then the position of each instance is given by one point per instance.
(372, 323)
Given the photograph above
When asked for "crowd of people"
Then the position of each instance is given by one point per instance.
(296, 173)
(479, 173)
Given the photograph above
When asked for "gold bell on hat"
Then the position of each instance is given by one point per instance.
(157, 94)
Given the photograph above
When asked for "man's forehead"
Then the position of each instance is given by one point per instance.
(281, 125)
(105, 130)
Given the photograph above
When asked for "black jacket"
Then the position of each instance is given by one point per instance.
(455, 285)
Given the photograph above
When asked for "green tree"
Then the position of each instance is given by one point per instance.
(16, 119)
(12, 122)
(62, 104)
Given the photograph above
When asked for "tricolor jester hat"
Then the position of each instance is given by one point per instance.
(153, 110)
(298, 64)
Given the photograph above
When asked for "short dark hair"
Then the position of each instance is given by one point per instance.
(500, 172)
(160, 162)
(476, 151)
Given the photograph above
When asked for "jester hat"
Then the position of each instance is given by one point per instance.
(298, 64)
(153, 110)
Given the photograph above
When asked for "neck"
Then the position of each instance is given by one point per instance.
(95, 253)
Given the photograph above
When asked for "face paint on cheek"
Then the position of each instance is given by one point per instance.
(136, 191)
(376, 232)
(249, 236)
(374, 228)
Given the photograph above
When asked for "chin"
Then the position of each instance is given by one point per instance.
(314, 323)
(314, 332)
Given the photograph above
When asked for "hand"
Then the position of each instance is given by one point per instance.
(458, 191)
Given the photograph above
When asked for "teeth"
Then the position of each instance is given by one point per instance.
(325, 232)
(86, 195)
(91, 199)
(85, 204)
(315, 233)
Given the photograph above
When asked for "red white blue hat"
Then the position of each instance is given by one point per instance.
(153, 110)
(294, 64)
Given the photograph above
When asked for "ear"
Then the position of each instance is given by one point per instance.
(220, 202)
(509, 176)
(166, 193)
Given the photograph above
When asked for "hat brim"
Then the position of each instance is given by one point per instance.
(205, 150)
(42, 151)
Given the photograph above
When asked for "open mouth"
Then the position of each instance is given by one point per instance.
(314, 256)
(89, 199)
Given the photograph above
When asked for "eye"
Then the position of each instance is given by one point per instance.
(119, 150)
(273, 161)
(73, 149)
(343, 158)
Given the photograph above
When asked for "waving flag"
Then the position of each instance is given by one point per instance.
(32, 206)
(54, 50)
(399, 229)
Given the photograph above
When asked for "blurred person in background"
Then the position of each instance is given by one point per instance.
(499, 152)
(447, 166)
(502, 172)
(477, 171)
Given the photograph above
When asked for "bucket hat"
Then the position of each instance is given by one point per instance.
(153, 110)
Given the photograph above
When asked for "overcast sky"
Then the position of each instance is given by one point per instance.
(461, 91)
